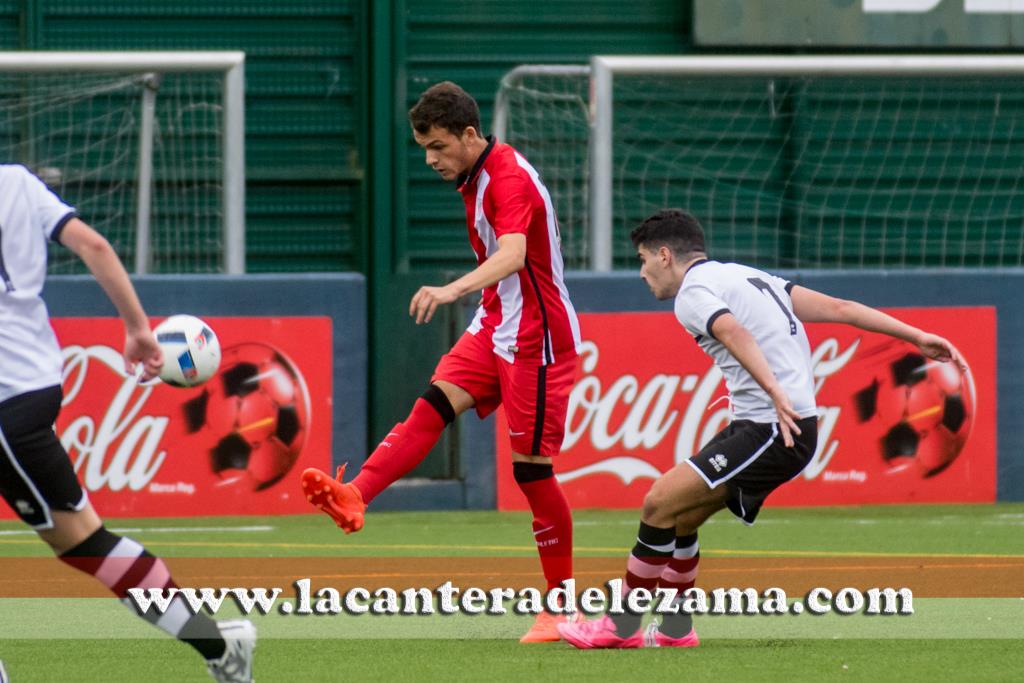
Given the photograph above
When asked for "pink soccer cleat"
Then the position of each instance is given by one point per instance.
(599, 633)
(655, 638)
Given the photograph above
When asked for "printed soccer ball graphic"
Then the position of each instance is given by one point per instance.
(923, 410)
(253, 417)
(191, 351)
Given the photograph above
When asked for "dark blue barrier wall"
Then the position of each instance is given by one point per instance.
(343, 298)
(597, 293)
(340, 296)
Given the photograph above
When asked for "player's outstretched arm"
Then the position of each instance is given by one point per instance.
(509, 258)
(102, 261)
(812, 306)
(742, 345)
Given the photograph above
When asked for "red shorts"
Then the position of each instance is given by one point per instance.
(535, 396)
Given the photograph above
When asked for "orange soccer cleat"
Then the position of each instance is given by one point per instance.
(545, 628)
(342, 502)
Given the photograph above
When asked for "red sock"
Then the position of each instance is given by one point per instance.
(402, 449)
(552, 523)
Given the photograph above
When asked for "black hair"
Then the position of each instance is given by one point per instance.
(672, 228)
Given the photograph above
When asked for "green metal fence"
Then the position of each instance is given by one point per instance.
(306, 97)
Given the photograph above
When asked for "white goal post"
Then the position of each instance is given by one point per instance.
(151, 66)
(922, 75)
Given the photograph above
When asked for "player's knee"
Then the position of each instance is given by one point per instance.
(652, 506)
(70, 529)
(658, 505)
(439, 402)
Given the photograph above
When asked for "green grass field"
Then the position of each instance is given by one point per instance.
(947, 638)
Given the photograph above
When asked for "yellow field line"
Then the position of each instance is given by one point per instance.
(713, 552)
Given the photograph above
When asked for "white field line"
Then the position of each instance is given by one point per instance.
(159, 530)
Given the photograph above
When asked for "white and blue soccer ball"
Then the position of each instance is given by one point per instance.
(191, 351)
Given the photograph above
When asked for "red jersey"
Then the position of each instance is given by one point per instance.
(528, 314)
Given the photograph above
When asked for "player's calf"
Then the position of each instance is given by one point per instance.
(406, 444)
(120, 563)
(679, 575)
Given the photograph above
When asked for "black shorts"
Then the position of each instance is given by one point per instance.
(752, 461)
(36, 475)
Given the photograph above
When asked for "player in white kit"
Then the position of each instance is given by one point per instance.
(751, 324)
(37, 478)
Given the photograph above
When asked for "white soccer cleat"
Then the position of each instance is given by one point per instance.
(4, 678)
(235, 666)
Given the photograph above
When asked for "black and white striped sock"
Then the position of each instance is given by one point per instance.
(647, 560)
(120, 563)
(681, 574)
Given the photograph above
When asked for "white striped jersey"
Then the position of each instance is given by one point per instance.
(528, 315)
(30, 215)
(761, 303)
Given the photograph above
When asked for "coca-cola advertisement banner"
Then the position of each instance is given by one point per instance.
(894, 427)
(231, 446)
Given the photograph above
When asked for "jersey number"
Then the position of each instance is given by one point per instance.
(764, 287)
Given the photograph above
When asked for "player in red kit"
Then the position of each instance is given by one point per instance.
(520, 349)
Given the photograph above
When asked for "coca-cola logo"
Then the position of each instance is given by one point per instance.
(149, 450)
(667, 406)
(120, 448)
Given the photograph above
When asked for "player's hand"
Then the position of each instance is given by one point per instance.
(787, 417)
(140, 347)
(427, 299)
(937, 348)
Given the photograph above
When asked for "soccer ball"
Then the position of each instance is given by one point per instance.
(191, 351)
(922, 410)
(253, 419)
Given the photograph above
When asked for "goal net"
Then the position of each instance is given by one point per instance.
(862, 162)
(138, 151)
